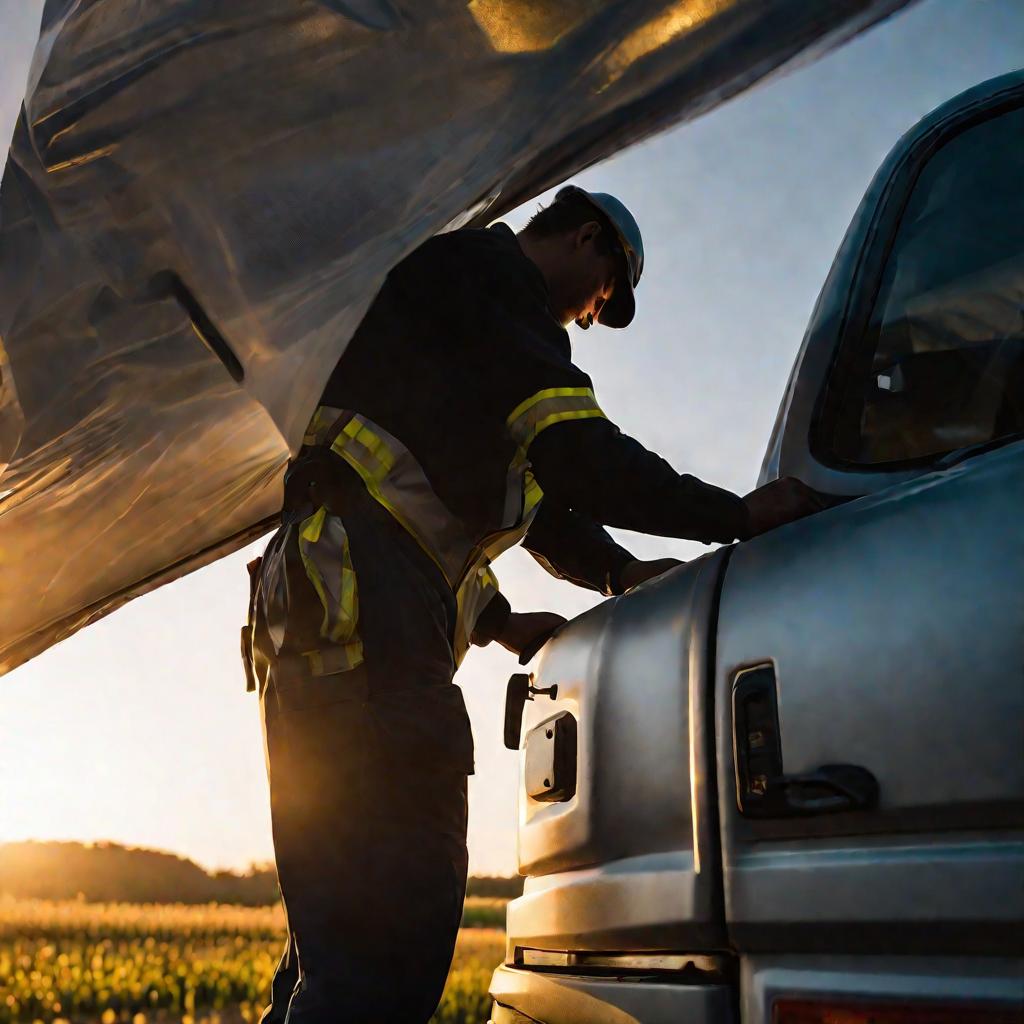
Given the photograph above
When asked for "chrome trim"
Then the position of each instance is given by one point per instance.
(577, 960)
(561, 998)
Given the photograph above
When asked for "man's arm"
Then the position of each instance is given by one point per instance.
(572, 547)
(612, 479)
(591, 466)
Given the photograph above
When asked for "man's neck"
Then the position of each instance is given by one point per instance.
(545, 255)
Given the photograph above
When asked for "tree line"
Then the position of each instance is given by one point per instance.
(111, 873)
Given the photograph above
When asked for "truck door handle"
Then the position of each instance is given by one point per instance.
(763, 789)
(832, 788)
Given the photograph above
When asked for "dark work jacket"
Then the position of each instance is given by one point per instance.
(458, 337)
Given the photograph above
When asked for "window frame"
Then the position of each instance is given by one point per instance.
(851, 354)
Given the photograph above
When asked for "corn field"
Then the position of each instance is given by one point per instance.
(74, 962)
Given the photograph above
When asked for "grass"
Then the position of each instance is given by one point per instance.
(72, 961)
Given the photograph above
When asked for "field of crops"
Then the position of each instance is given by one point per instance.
(72, 961)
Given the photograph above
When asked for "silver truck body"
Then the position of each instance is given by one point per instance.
(871, 653)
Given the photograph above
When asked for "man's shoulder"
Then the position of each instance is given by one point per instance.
(467, 251)
(487, 260)
(497, 242)
(499, 258)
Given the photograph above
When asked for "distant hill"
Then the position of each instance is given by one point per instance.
(111, 873)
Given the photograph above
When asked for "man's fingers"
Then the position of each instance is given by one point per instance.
(638, 571)
(538, 629)
(525, 631)
(782, 501)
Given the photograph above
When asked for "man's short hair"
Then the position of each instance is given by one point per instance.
(567, 213)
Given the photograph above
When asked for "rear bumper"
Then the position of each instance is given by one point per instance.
(528, 996)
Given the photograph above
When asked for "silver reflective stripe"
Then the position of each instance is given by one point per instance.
(547, 407)
(394, 477)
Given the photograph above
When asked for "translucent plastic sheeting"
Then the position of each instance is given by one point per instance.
(203, 196)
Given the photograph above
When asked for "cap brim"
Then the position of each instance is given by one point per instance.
(619, 310)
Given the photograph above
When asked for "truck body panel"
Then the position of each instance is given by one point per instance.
(525, 998)
(857, 809)
(893, 626)
(631, 860)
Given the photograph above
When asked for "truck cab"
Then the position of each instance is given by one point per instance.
(785, 782)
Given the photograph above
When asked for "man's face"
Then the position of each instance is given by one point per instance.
(589, 277)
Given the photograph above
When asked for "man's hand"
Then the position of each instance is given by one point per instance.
(638, 571)
(524, 630)
(781, 501)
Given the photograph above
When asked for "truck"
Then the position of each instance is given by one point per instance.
(785, 781)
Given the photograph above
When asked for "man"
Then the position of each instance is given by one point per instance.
(454, 426)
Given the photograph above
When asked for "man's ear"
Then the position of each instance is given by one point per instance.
(587, 233)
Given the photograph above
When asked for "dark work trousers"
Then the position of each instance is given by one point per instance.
(367, 772)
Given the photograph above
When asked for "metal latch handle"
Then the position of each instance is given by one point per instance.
(520, 689)
(832, 788)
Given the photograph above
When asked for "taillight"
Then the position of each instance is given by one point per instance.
(801, 1011)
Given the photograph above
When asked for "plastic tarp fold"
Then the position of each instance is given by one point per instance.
(203, 196)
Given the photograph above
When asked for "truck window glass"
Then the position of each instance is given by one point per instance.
(941, 365)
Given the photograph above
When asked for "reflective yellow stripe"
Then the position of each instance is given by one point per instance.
(341, 609)
(313, 526)
(348, 604)
(557, 417)
(376, 458)
(309, 532)
(547, 407)
(540, 396)
(532, 493)
(394, 478)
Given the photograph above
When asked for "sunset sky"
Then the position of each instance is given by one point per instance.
(139, 729)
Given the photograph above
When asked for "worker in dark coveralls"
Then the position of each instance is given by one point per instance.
(454, 426)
